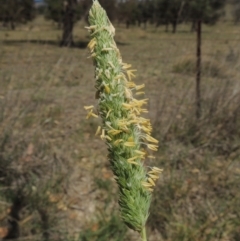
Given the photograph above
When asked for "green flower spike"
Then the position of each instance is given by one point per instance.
(126, 133)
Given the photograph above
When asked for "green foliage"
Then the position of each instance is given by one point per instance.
(16, 11)
(55, 11)
(209, 11)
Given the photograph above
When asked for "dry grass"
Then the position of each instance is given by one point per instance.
(43, 91)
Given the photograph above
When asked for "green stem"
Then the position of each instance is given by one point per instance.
(144, 234)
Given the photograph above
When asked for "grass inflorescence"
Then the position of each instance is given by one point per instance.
(126, 132)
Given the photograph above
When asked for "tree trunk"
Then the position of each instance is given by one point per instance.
(12, 25)
(174, 26)
(198, 70)
(68, 22)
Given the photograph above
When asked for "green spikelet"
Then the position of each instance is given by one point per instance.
(126, 133)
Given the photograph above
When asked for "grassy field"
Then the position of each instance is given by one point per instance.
(60, 168)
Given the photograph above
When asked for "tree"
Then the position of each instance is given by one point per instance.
(146, 12)
(128, 12)
(236, 11)
(169, 12)
(66, 13)
(16, 11)
(209, 11)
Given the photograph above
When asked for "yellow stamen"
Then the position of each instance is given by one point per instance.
(131, 139)
(146, 184)
(129, 144)
(130, 74)
(90, 113)
(139, 93)
(156, 170)
(103, 134)
(133, 162)
(151, 139)
(98, 130)
(144, 110)
(152, 147)
(127, 106)
(154, 177)
(108, 138)
(107, 89)
(128, 93)
(92, 27)
(108, 113)
(152, 157)
(94, 115)
(114, 132)
(118, 141)
(126, 66)
(138, 87)
(130, 84)
(132, 158)
(111, 64)
(151, 181)
(88, 107)
(142, 153)
(92, 44)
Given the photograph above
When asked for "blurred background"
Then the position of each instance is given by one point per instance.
(55, 180)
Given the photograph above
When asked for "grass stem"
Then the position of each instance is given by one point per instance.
(144, 234)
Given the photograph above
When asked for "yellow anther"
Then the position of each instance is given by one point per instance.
(92, 44)
(88, 107)
(107, 89)
(108, 113)
(127, 106)
(146, 184)
(133, 162)
(140, 93)
(128, 93)
(151, 139)
(103, 134)
(126, 66)
(130, 84)
(142, 153)
(108, 137)
(131, 139)
(132, 158)
(130, 73)
(129, 144)
(118, 141)
(152, 157)
(151, 181)
(98, 130)
(91, 114)
(152, 147)
(138, 87)
(154, 177)
(157, 170)
(111, 64)
(114, 132)
(92, 27)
